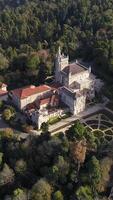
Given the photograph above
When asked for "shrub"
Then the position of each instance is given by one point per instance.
(27, 128)
(7, 133)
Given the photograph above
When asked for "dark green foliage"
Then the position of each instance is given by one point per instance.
(94, 172)
(42, 190)
(43, 164)
(44, 127)
(19, 194)
(58, 196)
(82, 28)
(44, 167)
(84, 193)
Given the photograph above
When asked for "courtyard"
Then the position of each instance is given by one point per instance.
(101, 124)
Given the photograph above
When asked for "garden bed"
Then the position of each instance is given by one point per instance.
(54, 120)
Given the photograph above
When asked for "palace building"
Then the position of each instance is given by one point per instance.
(78, 84)
(72, 87)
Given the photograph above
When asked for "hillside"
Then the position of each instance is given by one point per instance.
(76, 165)
(83, 28)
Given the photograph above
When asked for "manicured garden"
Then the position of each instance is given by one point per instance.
(101, 125)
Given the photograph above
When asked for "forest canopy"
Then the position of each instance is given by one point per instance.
(83, 28)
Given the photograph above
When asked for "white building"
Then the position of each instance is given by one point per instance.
(74, 84)
(22, 97)
(38, 103)
(77, 83)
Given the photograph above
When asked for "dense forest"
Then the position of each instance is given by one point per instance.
(83, 28)
(75, 166)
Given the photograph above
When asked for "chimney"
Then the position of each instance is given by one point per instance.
(89, 69)
(76, 61)
(32, 86)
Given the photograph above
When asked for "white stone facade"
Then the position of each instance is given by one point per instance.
(21, 103)
(40, 116)
(78, 84)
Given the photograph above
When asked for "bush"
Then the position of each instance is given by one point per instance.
(58, 196)
(41, 190)
(1, 105)
(54, 120)
(20, 166)
(27, 128)
(9, 113)
(7, 133)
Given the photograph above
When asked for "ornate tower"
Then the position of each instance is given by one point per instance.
(60, 63)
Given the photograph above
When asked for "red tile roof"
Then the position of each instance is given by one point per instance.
(31, 106)
(44, 101)
(55, 85)
(52, 100)
(25, 92)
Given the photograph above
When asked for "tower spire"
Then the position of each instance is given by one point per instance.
(59, 51)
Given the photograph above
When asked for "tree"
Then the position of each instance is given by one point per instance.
(20, 166)
(1, 159)
(33, 62)
(94, 172)
(84, 193)
(111, 65)
(6, 175)
(42, 75)
(19, 194)
(45, 127)
(106, 164)
(20, 62)
(58, 195)
(8, 113)
(7, 133)
(60, 170)
(76, 131)
(3, 62)
(78, 151)
(1, 104)
(42, 190)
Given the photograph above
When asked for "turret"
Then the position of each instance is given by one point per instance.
(89, 69)
(59, 51)
(61, 62)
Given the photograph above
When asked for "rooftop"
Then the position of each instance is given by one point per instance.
(74, 68)
(25, 92)
(44, 101)
(69, 92)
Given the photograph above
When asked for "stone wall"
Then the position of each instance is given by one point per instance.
(80, 77)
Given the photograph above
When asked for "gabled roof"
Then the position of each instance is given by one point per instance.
(74, 68)
(44, 101)
(25, 92)
(50, 100)
(69, 92)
